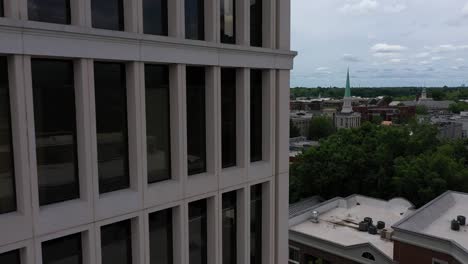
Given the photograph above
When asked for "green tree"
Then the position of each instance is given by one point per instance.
(293, 130)
(320, 127)
(458, 107)
(421, 110)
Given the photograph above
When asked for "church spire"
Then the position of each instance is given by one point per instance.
(348, 86)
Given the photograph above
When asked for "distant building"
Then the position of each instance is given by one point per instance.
(347, 118)
(351, 230)
(386, 113)
(463, 119)
(301, 120)
(448, 128)
(432, 106)
(297, 146)
(435, 234)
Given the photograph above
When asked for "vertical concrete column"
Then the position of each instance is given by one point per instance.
(176, 16)
(268, 217)
(88, 245)
(269, 24)
(212, 91)
(212, 21)
(213, 223)
(78, 13)
(242, 117)
(268, 108)
(87, 13)
(11, 8)
(138, 243)
(134, 125)
(131, 15)
(139, 16)
(243, 22)
(283, 22)
(179, 231)
(282, 165)
(21, 7)
(243, 224)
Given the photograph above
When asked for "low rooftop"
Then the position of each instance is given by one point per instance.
(434, 219)
(339, 220)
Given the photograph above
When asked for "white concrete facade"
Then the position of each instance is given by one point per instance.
(31, 224)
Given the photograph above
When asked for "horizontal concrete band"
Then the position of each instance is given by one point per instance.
(41, 39)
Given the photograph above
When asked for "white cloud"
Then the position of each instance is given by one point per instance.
(422, 55)
(395, 7)
(447, 48)
(465, 10)
(322, 69)
(350, 58)
(424, 62)
(459, 60)
(395, 60)
(359, 6)
(437, 58)
(387, 48)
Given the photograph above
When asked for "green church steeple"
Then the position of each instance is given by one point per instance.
(348, 86)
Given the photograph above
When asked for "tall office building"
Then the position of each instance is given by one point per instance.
(144, 131)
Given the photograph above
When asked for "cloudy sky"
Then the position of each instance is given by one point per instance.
(384, 42)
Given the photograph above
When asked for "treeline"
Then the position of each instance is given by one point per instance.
(399, 93)
(383, 162)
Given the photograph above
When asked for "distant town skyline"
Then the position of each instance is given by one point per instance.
(384, 42)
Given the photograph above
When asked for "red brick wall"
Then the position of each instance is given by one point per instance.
(331, 258)
(408, 254)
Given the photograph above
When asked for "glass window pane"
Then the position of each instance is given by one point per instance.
(155, 17)
(51, 11)
(111, 126)
(7, 173)
(158, 128)
(256, 224)
(10, 257)
(160, 225)
(108, 14)
(2, 11)
(228, 21)
(116, 243)
(256, 17)
(256, 115)
(63, 250)
(195, 19)
(229, 228)
(228, 117)
(196, 125)
(197, 232)
(55, 124)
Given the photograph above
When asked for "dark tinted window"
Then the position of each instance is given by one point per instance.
(155, 17)
(111, 126)
(194, 19)
(10, 257)
(116, 243)
(196, 127)
(256, 224)
(256, 23)
(228, 21)
(229, 228)
(158, 139)
(228, 117)
(197, 232)
(160, 225)
(54, 120)
(7, 176)
(108, 14)
(2, 11)
(63, 250)
(256, 115)
(51, 11)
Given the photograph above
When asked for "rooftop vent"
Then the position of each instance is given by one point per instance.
(455, 226)
(368, 220)
(372, 230)
(380, 225)
(461, 219)
(386, 234)
(315, 217)
(363, 226)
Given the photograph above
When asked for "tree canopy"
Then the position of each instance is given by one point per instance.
(382, 162)
(293, 130)
(320, 127)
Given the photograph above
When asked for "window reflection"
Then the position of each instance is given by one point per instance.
(116, 243)
(51, 11)
(155, 17)
(228, 117)
(228, 21)
(229, 222)
(63, 250)
(194, 19)
(197, 232)
(7, 176)
(196, 116)
(55, 126)
(108, 14)
(161, 237)
(157, 123)
(111, 126)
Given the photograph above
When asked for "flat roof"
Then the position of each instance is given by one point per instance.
(434, 219)
(339, 220)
